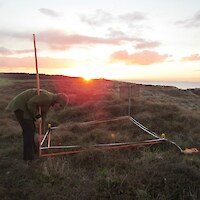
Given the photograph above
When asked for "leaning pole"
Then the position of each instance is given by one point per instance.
(38, 92)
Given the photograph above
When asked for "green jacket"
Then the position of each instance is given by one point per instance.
(29, 102)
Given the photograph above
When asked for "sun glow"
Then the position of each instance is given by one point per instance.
(87, 73)
(87, 78)
(98, 71)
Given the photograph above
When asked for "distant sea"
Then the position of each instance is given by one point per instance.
(180, 85)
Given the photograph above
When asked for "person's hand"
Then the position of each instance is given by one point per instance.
(39, 120)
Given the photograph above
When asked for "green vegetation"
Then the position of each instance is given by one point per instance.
(9, 82)
(6, 82)
(159, 172)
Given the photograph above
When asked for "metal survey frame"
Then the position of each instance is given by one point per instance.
(74, 149)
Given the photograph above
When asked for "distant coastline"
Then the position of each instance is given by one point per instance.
(181, 85)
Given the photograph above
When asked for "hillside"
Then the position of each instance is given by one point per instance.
(155, 172)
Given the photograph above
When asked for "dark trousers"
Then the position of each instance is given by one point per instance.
(28, 132)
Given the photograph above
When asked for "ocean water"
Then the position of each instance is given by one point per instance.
(180, 85)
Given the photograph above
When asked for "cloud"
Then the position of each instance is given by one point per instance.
(23, 51)
(134, 21)
(133, 17)
(193, 57)
(147, 44)
(140, 58)
(49, 12)
(98, 18)
(60, 40)
(191, 22)
(101, 17)
(114, 32)
(5, 52)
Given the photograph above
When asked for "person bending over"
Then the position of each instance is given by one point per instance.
(26, 108)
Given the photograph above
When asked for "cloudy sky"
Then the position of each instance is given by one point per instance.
(130, 39)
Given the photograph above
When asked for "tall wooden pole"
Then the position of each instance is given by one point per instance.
(38, 92)
(36, 66)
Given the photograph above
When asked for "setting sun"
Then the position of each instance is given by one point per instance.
(87, 78)
(87, 73)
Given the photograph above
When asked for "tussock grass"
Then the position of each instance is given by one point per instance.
(6, 82)
(9, 128)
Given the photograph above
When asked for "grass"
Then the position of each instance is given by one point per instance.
(159, 172)
(6, 82)
(9, 82)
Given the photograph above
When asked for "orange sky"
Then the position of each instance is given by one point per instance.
(129, 40)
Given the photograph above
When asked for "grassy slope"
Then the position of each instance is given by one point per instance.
(160, 172)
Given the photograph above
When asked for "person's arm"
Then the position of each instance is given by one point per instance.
(35, 102)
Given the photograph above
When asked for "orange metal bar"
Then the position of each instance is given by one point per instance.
(106, 148)
(38, 91)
